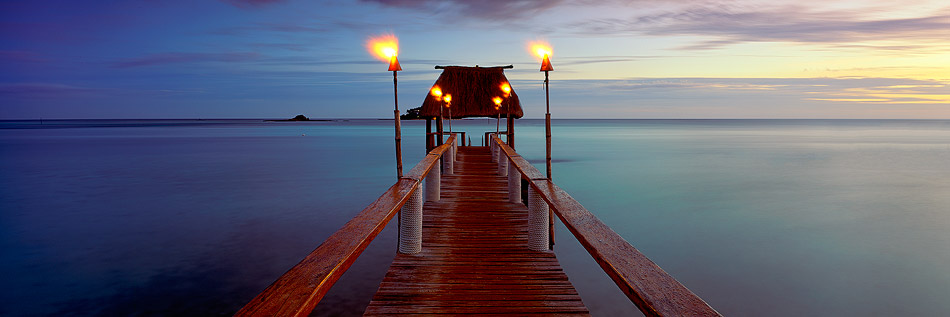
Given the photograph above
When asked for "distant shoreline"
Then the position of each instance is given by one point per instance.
(555, 119)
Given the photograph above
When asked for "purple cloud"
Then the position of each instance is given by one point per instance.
(247, 4)
(21, 57)
(786, 24)
(487, 9)
(171, 58)
(44, 89)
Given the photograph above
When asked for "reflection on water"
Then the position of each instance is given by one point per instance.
(759, 217)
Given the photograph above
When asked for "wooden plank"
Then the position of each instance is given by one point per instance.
(653, 290)
(475, 257)
(299, 290)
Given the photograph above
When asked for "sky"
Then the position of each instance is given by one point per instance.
(612, 59)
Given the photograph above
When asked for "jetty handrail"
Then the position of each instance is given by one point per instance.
(654, 291)
(297, 292)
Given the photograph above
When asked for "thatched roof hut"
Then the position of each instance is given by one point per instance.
(472, 90)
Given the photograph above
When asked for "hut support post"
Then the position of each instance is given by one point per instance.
(398, 127)
(410, 224)
(514, 184)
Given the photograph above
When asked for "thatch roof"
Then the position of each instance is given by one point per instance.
(472, 90)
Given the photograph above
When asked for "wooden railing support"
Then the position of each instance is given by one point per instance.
(494, 152)
(502, 165)
(654, 291)
(433, 185)
(448, 165)
(514, 183)
(448, 160)
(410, 224)
(538, 218)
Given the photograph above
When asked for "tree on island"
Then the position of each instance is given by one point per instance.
(411, 114)
(300, 117)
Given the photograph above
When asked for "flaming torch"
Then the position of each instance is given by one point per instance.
(386, 47)
(497, 101)
(437, 93)
(448, 105)
(543, 50)
(506, 89)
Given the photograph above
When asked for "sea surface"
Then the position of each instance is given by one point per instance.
(195, 217)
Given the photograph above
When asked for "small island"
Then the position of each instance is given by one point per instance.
(299, 117)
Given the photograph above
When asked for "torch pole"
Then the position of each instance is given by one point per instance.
(510, 129)
(398, 128)
(547, 124)
(441, 120)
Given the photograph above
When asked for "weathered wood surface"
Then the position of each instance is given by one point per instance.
(474, 257)
(655, 292)
(299, 290)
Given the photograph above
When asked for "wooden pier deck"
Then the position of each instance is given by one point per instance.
(475, 257)
(474, 254)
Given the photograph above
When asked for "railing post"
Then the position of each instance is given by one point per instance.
(448, 162)
(514, 183)
(494, 151)
(455, 150)
(434, 184)
(502, 163)
(410, 224)
(497, 153)
(538, 219)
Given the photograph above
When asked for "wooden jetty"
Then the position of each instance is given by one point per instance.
(474, 256)
(475, 247)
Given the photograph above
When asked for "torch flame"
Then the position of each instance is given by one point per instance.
(384, 47)
(437, 92)
(448, 100)
(506, 88)
(497, 101)
(541, 49)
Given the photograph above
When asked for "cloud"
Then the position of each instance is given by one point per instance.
(494, 10)
(738, 24)
(249, 4)
(21, 57)
(171, 58)
(906, 93)
(839, 90)
(44, 89)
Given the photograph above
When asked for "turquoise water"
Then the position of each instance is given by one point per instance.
(758, 217)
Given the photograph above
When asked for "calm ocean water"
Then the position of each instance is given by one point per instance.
(758, 217)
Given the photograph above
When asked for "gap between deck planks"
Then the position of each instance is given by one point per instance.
(474, 254)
